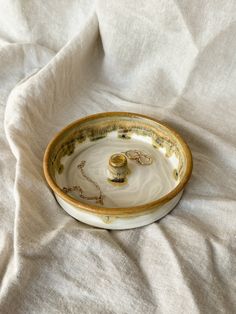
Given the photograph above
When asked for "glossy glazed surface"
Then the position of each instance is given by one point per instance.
(76, 168)
(144, 183)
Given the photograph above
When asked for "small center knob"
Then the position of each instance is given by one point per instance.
(117, 168)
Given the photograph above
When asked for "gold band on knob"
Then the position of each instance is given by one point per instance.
(118, 160)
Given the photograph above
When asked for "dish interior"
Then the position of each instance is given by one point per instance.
(79, 159)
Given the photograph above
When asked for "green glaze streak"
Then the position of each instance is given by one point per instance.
(98, 137)
(66, 149)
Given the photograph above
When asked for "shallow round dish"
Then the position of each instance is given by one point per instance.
(117, 170)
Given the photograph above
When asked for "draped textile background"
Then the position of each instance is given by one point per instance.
(174, 60)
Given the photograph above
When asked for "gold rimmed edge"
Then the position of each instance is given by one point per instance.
(118, 211)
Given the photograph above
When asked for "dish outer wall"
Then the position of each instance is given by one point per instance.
(119, 223)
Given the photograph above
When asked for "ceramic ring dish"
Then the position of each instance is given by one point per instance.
(117, 170)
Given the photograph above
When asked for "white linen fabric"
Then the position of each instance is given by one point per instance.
(174, 60)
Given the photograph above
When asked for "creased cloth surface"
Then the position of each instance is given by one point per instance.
(170, 59)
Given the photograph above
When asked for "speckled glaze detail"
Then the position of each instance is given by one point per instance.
(124, 134)
(127, 126)
(175, 174)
